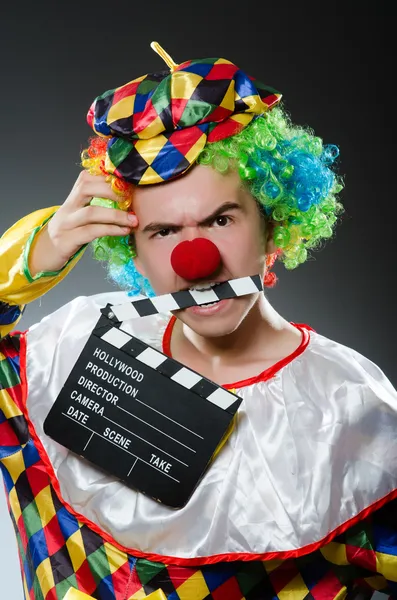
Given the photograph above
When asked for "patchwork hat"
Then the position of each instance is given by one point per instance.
(159, 123)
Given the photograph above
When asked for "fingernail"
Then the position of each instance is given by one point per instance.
(131, 216)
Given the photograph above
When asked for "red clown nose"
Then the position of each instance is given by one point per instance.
(195, 259)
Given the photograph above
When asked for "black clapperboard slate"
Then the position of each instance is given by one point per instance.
(155, 427)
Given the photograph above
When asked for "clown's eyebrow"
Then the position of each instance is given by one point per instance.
(157, 226)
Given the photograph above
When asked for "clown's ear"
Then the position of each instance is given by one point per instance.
(270, 246)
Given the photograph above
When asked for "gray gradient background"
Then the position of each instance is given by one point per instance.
(334, 67)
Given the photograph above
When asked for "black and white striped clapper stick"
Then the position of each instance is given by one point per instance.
(160, 304)
(170, 368)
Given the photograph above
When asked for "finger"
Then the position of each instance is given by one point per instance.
(101, 214)
(88, 233)
(90, 186)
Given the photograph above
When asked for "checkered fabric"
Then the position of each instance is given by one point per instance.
(9, 313)
(58, 553)
(160, 122)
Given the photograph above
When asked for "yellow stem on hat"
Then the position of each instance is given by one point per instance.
(164, 55)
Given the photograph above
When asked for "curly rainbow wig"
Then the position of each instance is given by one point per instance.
(287, 169)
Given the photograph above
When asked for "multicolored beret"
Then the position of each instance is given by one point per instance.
(159, 123)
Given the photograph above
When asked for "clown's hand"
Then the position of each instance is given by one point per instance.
(76, 223)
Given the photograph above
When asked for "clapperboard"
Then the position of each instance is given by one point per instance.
(136, 413)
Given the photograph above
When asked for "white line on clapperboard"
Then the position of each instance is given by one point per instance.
(136, 460)
(169, 418)
(153, 427)
(120, 447)
(143, 440)
(88, 440)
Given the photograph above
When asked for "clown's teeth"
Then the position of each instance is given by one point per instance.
(203, 288)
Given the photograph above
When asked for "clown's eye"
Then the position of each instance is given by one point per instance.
(222, 220)
(163, 233)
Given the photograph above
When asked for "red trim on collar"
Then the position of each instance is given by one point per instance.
(267, 373)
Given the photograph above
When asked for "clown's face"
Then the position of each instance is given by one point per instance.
(204, 204)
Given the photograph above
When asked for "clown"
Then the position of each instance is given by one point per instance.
(214, 183)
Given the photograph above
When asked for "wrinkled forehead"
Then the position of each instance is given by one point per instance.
(193, 195)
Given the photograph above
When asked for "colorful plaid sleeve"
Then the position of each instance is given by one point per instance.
(17, 285)
(370, 547)
(9, 316)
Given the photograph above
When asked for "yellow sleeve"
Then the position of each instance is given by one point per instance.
(17, 285)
